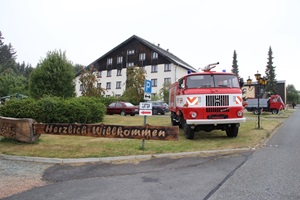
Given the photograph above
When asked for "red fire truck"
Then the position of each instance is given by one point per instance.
(207, 101)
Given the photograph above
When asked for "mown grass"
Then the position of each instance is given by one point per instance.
(54, 146)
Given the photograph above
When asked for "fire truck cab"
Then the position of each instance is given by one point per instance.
(207, 101)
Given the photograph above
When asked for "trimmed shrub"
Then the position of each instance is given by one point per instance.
(56, 110)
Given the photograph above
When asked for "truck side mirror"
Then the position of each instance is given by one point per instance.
(180, 83)
(241, 82)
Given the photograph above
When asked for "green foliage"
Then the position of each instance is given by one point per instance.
(10, 84)
(164, 91)
(56, 109)
(134, 92)
(89, 82)
(292, 94)
(235, 66)
(271, 86)
(108, 100)
(54, 76)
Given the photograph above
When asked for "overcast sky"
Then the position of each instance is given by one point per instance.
(199, 32)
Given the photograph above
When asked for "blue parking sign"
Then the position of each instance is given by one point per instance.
(148, 86)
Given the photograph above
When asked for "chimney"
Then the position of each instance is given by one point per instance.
(158, 44)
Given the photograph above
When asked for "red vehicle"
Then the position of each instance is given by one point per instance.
(207, 101)
(122, 108)
(272, 104)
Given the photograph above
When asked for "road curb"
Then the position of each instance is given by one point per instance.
(120, 158)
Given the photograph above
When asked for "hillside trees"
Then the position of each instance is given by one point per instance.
(292, 95)
(13, 76)
(53, 76)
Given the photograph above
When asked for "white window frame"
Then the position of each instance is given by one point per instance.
(130, 52)
(131, 64)
(167, 67)
(118, 84)
(108, 73)
(108, 85)
(119, 72)
(109, 61)
(119, 59)
(142, 56)
(154, 68)
(154, 82)
(154, 55)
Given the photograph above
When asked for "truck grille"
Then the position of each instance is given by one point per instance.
(217, 100)
(218, 109)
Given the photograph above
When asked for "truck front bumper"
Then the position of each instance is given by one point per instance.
(215, 121)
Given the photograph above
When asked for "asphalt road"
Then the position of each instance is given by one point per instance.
(271, 172)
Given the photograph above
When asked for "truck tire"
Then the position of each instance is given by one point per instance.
(188, 132)
(256, 112)
(173, 119)
(274, 111)
(232, 131)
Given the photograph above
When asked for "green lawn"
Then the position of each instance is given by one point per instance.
(54, 146)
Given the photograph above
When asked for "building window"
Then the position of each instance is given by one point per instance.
(153, 68)
(119, 72)
(108, 73)
(167, 67)
(98, 85)
(99, 74)
(81, 87)
(108, 85)
(119, 59)
(131, 64)
(118, 95)
(142, 56)
(107, 95)
(130, 52)
(167, 81)
(154, 82)
(118, 85)
(109, 61)
(154, 55)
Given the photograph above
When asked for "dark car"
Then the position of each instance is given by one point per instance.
(122, 108)
(159, 107)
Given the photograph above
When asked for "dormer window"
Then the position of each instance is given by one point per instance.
(142, 56)
(130, 52)
(154, 55)
(119, 59)
(109, 61)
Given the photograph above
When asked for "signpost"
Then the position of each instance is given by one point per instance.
(147, 90)
(145, 110)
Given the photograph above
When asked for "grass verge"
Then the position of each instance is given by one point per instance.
(54, 146)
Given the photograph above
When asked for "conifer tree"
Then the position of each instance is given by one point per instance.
(234, 64)
(271, 86)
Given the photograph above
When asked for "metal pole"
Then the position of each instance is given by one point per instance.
(143, 141)
(258, 125)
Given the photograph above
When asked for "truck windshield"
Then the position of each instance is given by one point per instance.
(212, 81)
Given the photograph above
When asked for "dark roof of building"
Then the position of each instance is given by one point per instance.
(166, 53)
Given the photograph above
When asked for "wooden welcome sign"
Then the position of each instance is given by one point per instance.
(27, 130)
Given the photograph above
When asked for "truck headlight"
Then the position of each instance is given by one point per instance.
(239, 113)
(193, 114)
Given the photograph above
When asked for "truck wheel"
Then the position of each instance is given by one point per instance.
(188, 132)
(274, 111)
(232, 131)
(256, 112)
(173, 119)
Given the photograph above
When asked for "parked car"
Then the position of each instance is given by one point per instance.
(122, 108)
(159, 107)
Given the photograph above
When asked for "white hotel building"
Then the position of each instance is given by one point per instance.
(160, 65)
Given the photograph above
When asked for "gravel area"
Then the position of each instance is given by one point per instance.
(19, 176)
